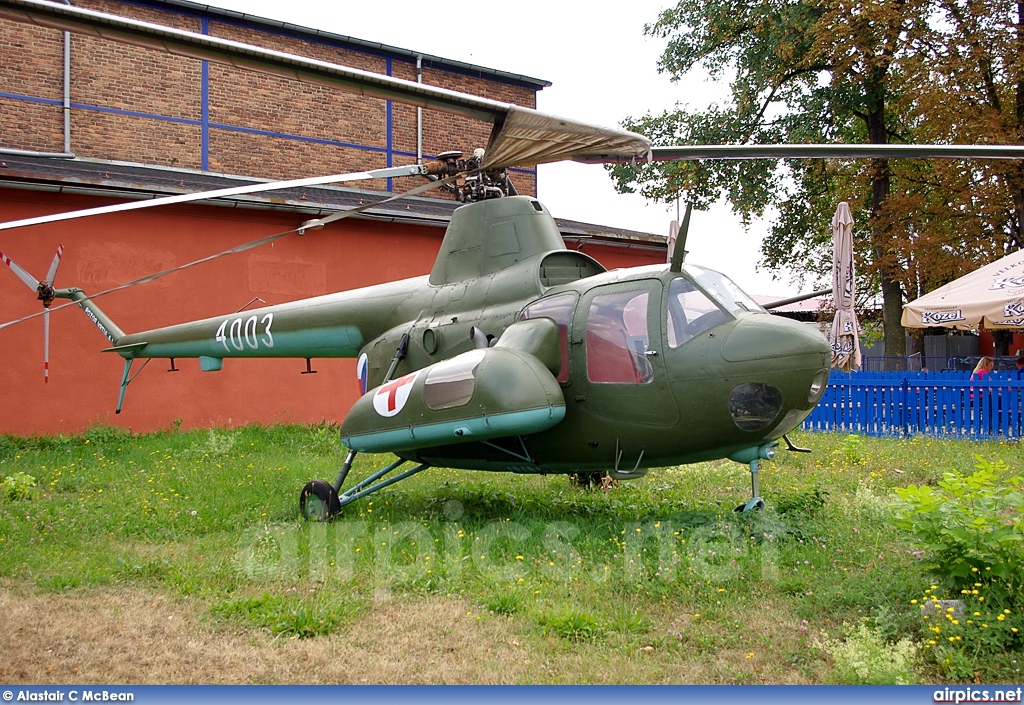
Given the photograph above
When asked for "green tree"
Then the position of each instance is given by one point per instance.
(800, 71)
(965, 84)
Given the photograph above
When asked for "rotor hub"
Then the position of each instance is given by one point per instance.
(473, 183)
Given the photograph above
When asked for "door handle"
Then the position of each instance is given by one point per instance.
(651, 353)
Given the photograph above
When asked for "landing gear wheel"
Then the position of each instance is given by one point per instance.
(588, 480)
(756, 503)
(318, 501)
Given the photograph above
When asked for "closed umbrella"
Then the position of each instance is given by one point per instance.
(843, 336)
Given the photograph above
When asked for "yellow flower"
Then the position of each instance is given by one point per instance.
(1001, 617)
(1006, 611)
(956, 621)
(913, 602)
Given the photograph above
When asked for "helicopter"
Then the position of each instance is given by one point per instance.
(514, 353)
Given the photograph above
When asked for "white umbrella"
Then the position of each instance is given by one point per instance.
(843, 336)
(992, 296)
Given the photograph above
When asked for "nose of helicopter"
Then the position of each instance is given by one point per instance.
(765, 338)
(781, 369)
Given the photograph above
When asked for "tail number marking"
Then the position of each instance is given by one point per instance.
(237, 334)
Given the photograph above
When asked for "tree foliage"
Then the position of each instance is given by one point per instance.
(852, 71)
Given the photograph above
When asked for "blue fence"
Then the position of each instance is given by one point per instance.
(944, 403)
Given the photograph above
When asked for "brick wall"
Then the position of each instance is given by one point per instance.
(138, 105)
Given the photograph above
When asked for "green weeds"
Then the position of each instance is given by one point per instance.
(662, 564)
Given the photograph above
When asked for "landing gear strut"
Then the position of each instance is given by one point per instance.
(753, 458)
(755, 498)
(320, 500)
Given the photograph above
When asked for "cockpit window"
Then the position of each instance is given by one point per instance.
(724, 290)
(559, 309)
(690, 312)
(617, 338)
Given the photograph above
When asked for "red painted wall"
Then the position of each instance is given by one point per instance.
(987, 346)
(102, 252)
(108, 250)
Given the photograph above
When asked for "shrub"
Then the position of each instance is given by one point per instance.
(962, 640)
(851, 450)
(20, 486)
(971, 528)
(863, 657)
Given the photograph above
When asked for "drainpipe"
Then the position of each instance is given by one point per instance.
(66, 154)
(419, 114)
(30, 153)
(67, 91)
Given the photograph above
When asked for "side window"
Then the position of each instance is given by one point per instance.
(559, 309)
(690, 312)
(617, 338)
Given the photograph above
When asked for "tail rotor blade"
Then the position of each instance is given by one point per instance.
(53, 265)
(46, 346)
(29, 280)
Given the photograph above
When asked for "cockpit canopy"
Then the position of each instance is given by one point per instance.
(702, 299)
(617, 336)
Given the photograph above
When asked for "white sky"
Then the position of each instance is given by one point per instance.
(602, 69)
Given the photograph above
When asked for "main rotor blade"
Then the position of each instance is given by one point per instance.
(218, 193)
(29, 280)
(521, 136)
(837, 151)
(52, 272)
(308, 225)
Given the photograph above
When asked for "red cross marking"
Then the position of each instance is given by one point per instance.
(391, 389)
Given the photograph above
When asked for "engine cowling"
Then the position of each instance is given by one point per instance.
(478, 395)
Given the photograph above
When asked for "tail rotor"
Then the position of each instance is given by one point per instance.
(44, 292)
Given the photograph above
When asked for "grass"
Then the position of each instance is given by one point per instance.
(656, 580)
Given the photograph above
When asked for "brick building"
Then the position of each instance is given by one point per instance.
(85, 122)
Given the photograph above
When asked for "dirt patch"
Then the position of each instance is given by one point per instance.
(133, 636)
(130, 636)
